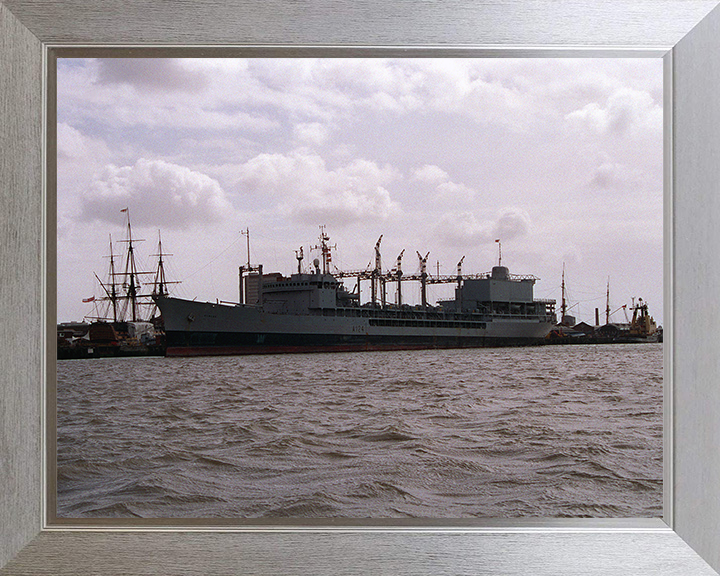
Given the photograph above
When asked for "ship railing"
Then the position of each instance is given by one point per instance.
(433, 314)
(488, 275)
(429, 278)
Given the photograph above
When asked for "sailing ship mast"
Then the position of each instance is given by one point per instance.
(110, 289)
(123, 289)
(160, 285)
(131, 273)
(161, 282)
(113, 288)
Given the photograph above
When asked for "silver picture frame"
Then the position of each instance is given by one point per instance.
(685, 33)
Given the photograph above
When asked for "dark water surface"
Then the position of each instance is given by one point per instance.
(551, 431)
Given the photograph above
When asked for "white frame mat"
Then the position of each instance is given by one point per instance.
(685, 33)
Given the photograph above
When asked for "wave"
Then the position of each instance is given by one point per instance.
(516, 432)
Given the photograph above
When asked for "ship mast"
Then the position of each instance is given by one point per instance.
(459, 284)
(122, 289)
(242, 287)
(299, 258)
(113, 291)
(110, 289)
(246, 232)
(328, 253)
(324, 250)
(563, 305)
(131, 272)
(160, 278)
(607, 303)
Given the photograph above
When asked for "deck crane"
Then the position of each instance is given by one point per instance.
(398, 275)
(423, 278)
(376, 273)
(459, 282)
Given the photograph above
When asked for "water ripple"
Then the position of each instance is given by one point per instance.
(548, 431)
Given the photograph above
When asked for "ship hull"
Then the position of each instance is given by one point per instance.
(201, 328)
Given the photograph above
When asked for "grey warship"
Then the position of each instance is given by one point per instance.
(312, 311)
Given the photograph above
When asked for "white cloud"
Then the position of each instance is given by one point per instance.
(158, 193)
(74, 145)
(463, 229)
(430, 173)
(615, 176)
(312, 133)
(451, 193)
(443, 191)
(304, 188)
(391, 146)
(343, 207)
(175, 116)
(280, 174)
(512, 223)
(466, 229)
(333, 88)
(626, 110)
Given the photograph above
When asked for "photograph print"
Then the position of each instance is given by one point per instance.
(361, 288)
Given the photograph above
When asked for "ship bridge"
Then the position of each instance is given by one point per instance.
(498, 292)
(303, 292)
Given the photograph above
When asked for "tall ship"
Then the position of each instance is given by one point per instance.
(312, 311)
(124, 320)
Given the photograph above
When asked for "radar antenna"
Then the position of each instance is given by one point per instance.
(325, 250)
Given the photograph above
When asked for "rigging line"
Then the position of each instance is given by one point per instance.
(602, 297)
(213, 260)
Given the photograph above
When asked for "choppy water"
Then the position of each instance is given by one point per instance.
(551, 431)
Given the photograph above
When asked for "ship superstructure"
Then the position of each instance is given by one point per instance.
(312, 311)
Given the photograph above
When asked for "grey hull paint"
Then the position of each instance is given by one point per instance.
(198, 328)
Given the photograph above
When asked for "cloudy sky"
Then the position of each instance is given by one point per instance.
(561, 159)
